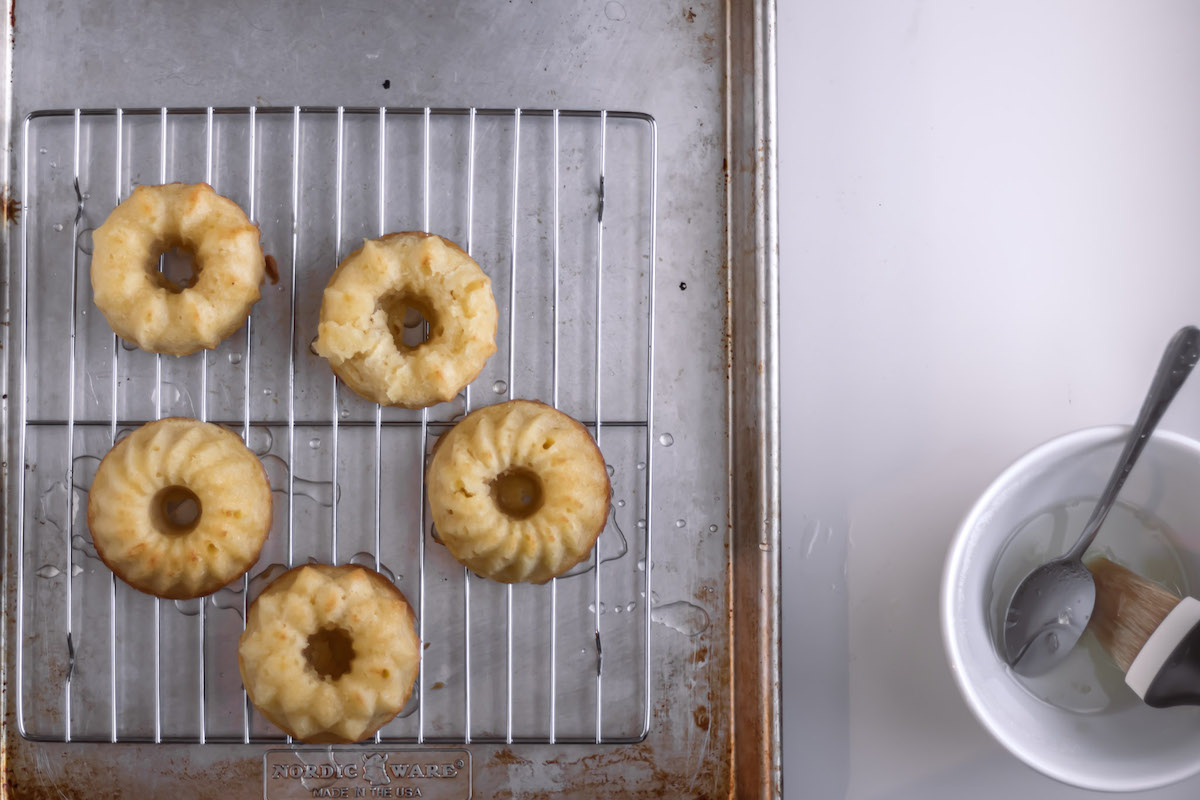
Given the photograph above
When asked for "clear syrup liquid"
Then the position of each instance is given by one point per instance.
(1087, 681)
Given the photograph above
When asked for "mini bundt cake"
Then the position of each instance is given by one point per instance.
(140, 303)
(329, 653)
(519, 492)
(179, 508)
(361, 331)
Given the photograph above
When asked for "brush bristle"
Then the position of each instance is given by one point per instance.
(1128, 609)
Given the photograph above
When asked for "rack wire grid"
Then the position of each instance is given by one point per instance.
(557, 206)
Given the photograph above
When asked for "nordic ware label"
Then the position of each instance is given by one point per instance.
(366, 772)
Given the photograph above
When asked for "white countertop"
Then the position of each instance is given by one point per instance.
(990, 223)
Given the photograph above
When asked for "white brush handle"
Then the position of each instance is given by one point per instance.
(1158, 648)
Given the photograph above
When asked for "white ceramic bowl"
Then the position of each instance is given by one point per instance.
(1104, 739)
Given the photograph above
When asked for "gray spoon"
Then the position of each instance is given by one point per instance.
(1052, 606)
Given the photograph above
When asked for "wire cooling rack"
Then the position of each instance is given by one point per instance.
(557, 206)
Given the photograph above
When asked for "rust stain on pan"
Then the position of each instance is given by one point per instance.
(507, 756)
(10, 206)
(272, 268)
(688, 753)
(61, 771)
(632, 772)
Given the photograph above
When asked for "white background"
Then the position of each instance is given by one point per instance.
(990, 225)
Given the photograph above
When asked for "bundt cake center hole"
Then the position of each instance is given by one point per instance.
(517, 492)
(176, 269)
(329, 652)
(176, 510)
(409, 319)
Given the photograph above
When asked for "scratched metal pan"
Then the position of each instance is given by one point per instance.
(612, 168)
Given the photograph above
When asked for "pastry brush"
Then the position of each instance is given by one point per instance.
(1152, 635)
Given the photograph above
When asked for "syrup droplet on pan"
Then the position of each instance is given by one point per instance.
(685, 617)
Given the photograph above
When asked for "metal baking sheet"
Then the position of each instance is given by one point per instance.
(712, 430)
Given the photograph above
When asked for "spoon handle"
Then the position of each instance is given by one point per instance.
(1177, 361)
